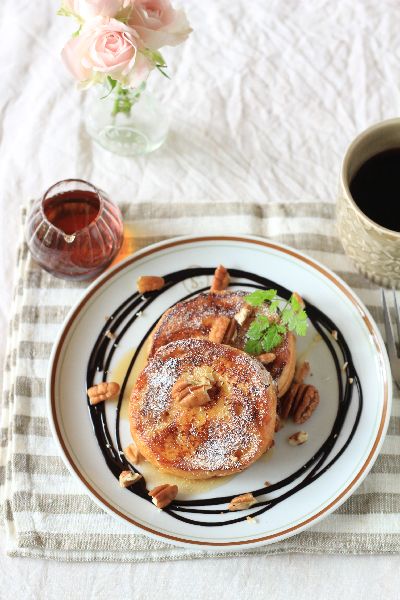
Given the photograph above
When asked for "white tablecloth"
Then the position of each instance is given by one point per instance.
(265, 97)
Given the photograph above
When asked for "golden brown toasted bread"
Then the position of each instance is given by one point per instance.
(201, 409)
(208, 313)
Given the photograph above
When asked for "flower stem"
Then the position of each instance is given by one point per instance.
(123, 101)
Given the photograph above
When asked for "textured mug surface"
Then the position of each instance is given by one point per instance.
(374, 249)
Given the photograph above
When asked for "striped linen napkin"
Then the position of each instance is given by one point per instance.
(46, 513)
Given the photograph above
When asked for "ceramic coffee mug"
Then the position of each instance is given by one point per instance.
(374, 249)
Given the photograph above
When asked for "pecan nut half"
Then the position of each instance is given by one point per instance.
(220, 280)
(242, 502)
(299, 402)
(163, 495)
(243, 314)
(103, 391)
(149, 283)
(195, 397)
(223, 330)
(267, 358)
(132, 454)
(278, 424)
(127, 478)
(286, 402)
(298, 438)
(190, 395)
(307, 403)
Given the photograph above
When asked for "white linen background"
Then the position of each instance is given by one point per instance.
(265, 97)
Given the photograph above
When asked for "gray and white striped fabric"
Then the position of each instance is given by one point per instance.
(45, 512)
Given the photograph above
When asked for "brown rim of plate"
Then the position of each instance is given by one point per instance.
(179, 242)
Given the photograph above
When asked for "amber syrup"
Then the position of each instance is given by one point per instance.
(72, 211)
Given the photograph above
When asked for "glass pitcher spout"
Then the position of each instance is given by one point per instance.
(69, 238)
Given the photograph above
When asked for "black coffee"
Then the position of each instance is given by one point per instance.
(376, 188)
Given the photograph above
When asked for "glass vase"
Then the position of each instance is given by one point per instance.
(128, 122)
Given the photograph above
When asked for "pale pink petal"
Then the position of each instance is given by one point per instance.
(141, 70)
(72, 55)
(158, 24)
(88, 9)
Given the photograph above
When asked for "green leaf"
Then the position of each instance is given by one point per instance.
(64, 12)
(294, 303)
(286, 315)
(271, 339)
(112, 83)
(301, 328)
(292, 322)
(253, 347)
(77, 32)
(273, 307)
(158, 58)
(258, 297)
(264, 334)
(301, 323)
(160, 68)
(258, 327)
(154, 56)
(295, 321)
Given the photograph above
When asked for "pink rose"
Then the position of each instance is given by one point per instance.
(87, 9)
(107, 47)
(158, 24)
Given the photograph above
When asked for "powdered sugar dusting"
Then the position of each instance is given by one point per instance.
(162, 376)
(226, 434)
(219, 451)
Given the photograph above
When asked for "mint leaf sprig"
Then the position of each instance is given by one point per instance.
(266, 332)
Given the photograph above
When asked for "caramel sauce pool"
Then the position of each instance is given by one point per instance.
(305, 354)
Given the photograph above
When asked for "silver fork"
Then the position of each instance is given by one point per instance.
(390, 340)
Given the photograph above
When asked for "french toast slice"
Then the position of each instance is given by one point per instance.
(201, 409)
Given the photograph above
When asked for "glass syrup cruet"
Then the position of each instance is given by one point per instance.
(74, 231)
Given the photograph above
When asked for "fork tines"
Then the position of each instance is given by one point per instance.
(390, 337)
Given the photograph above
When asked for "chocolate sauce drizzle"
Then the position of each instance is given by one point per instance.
(121, 321)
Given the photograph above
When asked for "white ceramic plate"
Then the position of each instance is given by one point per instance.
(364, 423)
